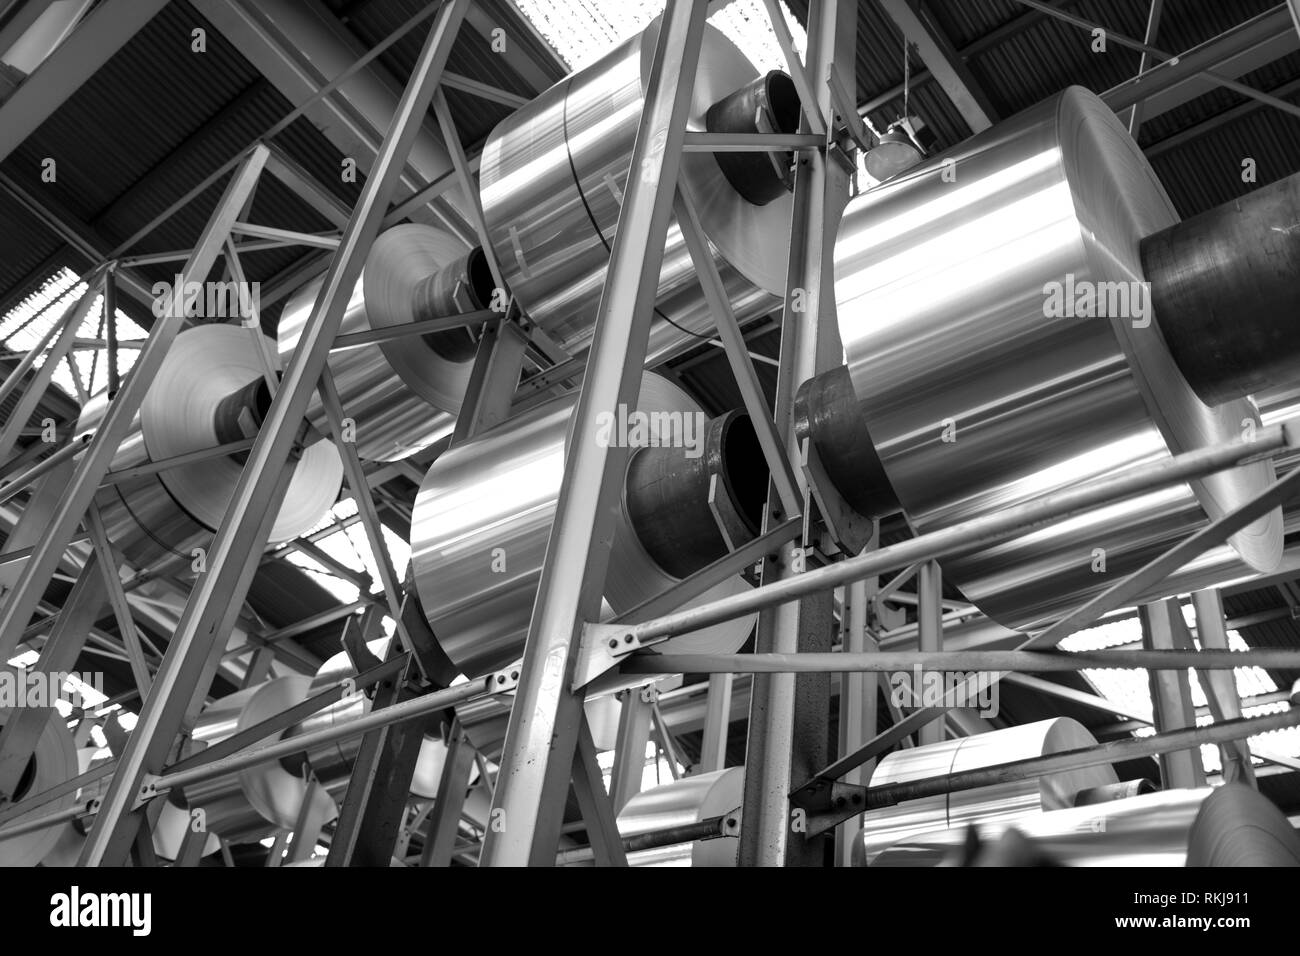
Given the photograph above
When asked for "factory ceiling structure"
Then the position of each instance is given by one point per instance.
(649, 423)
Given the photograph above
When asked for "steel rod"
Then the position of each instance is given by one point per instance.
(343, 730)
(1028, 662)
(967, 535)
(356, 340)
(710, 828)
(20, 481)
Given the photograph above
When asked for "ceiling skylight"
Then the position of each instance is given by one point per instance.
(24, 325)
(582, 31)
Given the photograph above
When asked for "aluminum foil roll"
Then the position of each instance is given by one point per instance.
(168, 513)
(403, 394)
(249, 804)
(1148, 830)
(979, 396)
(481, 523)
(552, 180)
(1003, 803)
(53, 762)
(684, 801)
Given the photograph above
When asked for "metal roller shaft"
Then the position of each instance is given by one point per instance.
(676, 497)
(1223, 286)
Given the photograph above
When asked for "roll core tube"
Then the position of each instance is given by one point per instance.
(1223, 287)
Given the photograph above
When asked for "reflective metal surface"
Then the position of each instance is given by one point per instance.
(53, 762)
(247, 805)
(1150, 830)
(688, 800)
(480, 528)
(978, 397)
(169, 512)
(1009, 802)
(552, 180)
(403, 395)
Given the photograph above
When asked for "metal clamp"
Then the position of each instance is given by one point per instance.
(506, 679)
(603, 647)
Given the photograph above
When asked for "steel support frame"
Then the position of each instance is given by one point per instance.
(547, 717)
(1220, 687)
(789, 715)
(238, 545)
(1171, 692)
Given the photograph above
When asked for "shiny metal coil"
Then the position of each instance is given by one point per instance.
(1008, 802)
(167, 513)
(404, 394)
(552, 180)
(976, 400)
(53, 762)
(249, 804)
(1148, 830)
(481, 523)
(684, 801)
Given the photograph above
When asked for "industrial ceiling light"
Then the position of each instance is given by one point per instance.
(893, 153)
(904, 143)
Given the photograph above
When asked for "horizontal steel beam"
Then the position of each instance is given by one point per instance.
(1029, 662)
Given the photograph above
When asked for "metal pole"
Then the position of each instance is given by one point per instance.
(929, 616)
(956, 662)
(1171, 692)
(629, 750)
(1221, 687)
(546, 716)
(857, 706)
(788, 722)
(440, 837)
(717, 723)
(397, 713)
(242, 536)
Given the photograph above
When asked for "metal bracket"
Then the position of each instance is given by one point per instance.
(506, 679)
(603, 647)
(148, 790)
(730, 525)
(850, 531)
(847, 118)
(826, 807)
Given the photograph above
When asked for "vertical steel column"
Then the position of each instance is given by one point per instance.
(598, 811)
(929, 618)
(375, 803)
(788, 713)
(440, 837)
(629, 750)
(110, 327)
(1221, 686)
(113, 429)
(546, 716)
(857, 707)
(717, 723)
(493, 380)
(239, 542)
(1171, 692)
